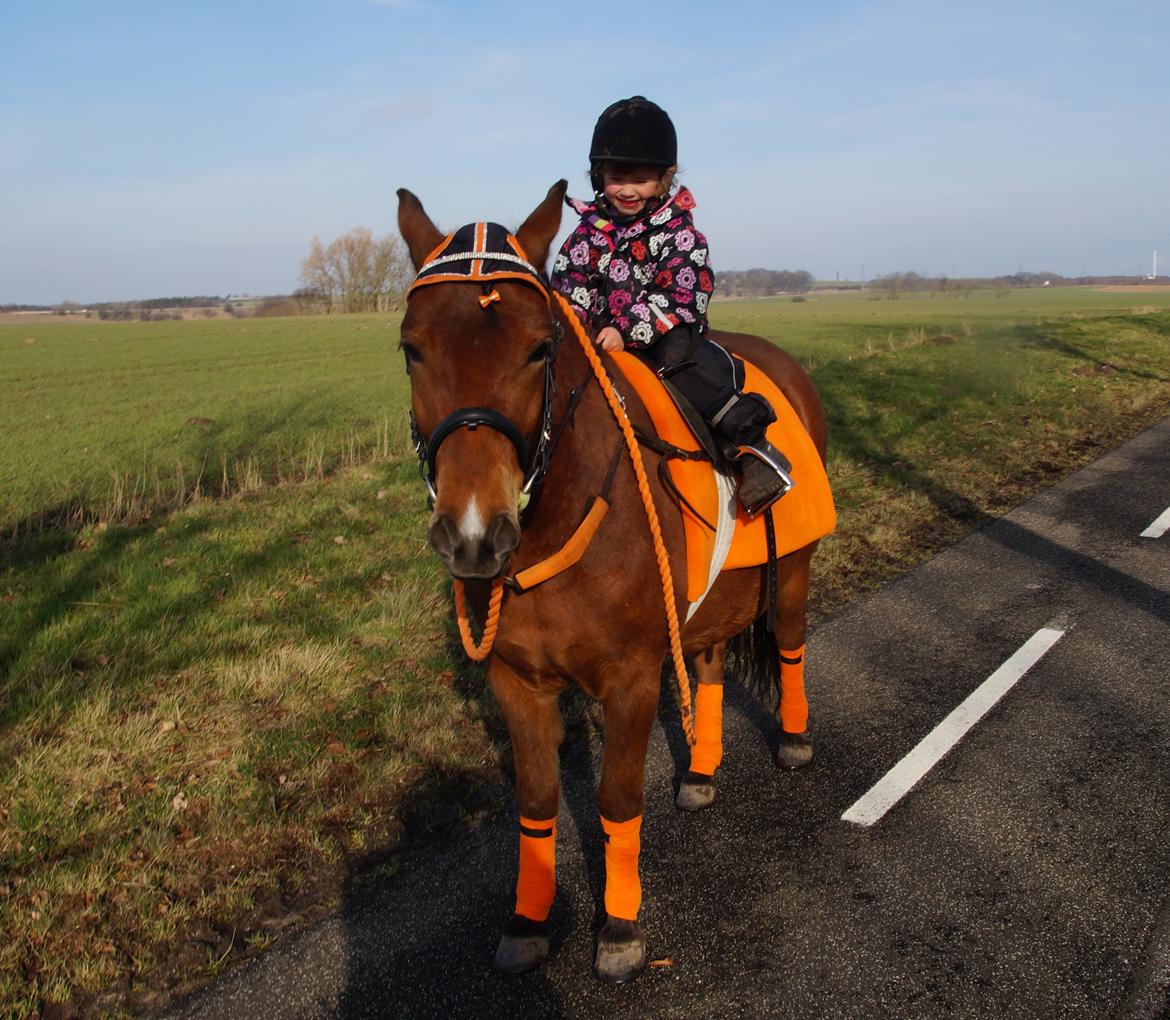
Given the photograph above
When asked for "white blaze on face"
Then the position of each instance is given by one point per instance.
(471, 525)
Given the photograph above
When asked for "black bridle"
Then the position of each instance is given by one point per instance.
(487, 254)
(534, 464)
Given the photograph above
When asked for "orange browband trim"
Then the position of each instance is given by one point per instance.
(527, 278)
(437, 250)
(568, 554)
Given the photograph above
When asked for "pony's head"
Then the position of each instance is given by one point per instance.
(478, 337)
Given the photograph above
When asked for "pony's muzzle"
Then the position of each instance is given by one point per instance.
(477, 555)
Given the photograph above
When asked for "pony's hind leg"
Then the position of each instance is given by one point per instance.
(697, 789)
(795, 748)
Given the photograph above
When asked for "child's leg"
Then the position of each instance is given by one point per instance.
(712, 380)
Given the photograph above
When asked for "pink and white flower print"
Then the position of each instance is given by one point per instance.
(641, 333)
(644, 278)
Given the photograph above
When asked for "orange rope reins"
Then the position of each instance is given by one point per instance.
(619, 413)
(479, 652)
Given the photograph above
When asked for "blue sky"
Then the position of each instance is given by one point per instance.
(151, 149)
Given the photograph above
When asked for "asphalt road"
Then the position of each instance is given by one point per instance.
(1026, 875)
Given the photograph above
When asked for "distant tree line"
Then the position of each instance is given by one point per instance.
(357, 273)
(892, 284)
(199, 301)
(911, 281)
(762, 282)
(354, 273)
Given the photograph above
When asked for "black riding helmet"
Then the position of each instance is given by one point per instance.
(635, 131)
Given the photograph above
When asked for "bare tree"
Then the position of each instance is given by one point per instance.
(356, 273)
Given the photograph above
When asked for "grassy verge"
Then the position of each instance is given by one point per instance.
(211, 718)
(115, 421)
(204, 715)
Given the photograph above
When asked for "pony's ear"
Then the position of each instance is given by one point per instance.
(536, 232)
(415, 226)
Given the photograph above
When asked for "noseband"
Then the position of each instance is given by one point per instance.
(485, 253)
(471, 418)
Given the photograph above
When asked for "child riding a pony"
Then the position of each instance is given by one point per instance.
(638, 274)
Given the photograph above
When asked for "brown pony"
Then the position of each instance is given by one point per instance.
(488, 378)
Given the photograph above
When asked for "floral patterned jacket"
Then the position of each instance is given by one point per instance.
(644, 277)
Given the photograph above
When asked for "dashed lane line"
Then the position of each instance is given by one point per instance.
(1160, 526)
(896, 783)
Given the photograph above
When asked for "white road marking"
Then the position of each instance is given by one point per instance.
(896, 783)
(1159, 527)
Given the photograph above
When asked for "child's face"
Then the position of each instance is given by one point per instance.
(629, 188)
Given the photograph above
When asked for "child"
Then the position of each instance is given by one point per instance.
(636, 272)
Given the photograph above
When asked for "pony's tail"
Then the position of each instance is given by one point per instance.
(756, 658)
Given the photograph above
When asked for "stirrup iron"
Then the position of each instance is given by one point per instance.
(760, 487)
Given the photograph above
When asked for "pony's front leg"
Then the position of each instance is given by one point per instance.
(534, 727)
(630, 703)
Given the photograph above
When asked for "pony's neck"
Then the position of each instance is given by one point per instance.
(587, 439)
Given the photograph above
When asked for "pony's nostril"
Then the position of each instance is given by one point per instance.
(443, 535)
(503, 535)
(483, 555)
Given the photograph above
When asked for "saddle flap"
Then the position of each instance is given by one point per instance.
(805, 514)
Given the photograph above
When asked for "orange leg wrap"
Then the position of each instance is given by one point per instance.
(793, 704)
(537, 882)
(623, 891)
(708, 750)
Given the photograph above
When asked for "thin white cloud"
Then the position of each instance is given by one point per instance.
(401, 109)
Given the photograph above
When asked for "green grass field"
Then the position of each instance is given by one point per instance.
(112, 420)
(215, 711)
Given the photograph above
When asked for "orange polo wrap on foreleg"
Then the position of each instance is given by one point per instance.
(623, 890)
(708, 750)
(793, 704)
(537, 883)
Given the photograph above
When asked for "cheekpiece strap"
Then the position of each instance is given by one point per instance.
(481, 253)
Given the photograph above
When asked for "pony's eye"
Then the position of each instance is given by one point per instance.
(540, 352)
(412, 354)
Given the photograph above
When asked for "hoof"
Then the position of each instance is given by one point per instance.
(523, 946)
(795, 750)
(621, 950)
(695, 792)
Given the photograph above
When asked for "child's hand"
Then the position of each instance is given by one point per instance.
(609, 339)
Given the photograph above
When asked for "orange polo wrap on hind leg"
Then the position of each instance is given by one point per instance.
(537, 883)
(793, 704)
(708, 750)
(623, 890)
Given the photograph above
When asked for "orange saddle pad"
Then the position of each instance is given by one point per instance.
(803, 515)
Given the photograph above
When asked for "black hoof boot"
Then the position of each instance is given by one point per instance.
(621, 951)
(695, 792)
(795, 750)
(523, 946)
